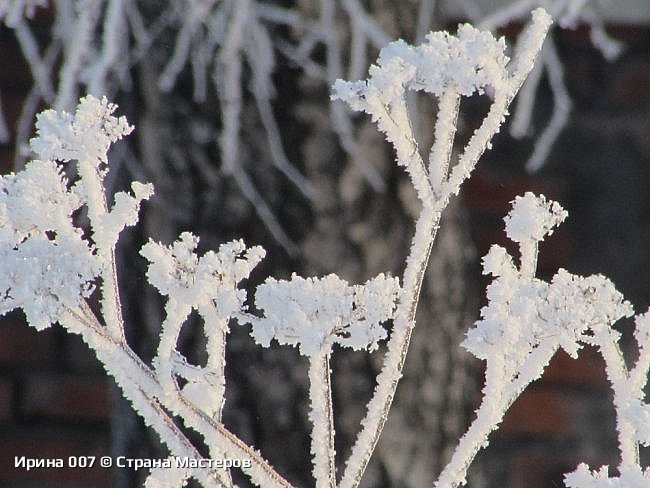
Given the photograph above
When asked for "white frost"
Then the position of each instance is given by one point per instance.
(46, 266)
(527, 320)
(201, 282)
(36, 200)
(533, 218)
(468, 62)
(123, 213)
(86, 135)
(631, 477)
(168, 477)
(523, 310)
(523, 313)
(46, 277)
(314, 313)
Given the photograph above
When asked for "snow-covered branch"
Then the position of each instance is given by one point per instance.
(50, 269)
(527, 320)
(444, 66)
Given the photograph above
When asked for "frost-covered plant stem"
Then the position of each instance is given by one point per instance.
(322, 417)
(216, 344)
(373, 423)
(50, 268)
(527, 320)
(170, 363)
(98, 207)
(445, 131)
(490, 414)
(434, 187)
(606, 340)
(134, 372)
(140, 386)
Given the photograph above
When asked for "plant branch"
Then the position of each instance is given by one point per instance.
(607, 341)
(322, 417)
(377, 410)
(495, 404)
(444, 133)
(426, 227)
(140, 386)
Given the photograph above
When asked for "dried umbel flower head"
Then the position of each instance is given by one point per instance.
(314, 313)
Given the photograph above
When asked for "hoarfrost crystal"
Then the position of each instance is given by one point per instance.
(527, 320)
(533, 218)
(49, 269)
(200, 282)
(630, 477)
(86, 135)
(35, 201)
(467, 62)
(523, 310)
(314, 313)
(46, 267)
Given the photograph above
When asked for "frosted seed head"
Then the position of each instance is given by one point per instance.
(201, 282)
(314, 313)
(533, 217)
(46, 267)
(498, 262)
(631, 476)
(46, 277)
(467, 62)
(86, 135)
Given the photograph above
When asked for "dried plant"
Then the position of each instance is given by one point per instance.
(51, 266)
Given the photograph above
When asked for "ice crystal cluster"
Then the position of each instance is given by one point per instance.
(468, 61)
(630, 477)
(51, 262)
(45, 264)
(523, 310)
(315, 313)
(206, 283)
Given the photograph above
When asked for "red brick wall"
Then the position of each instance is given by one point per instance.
(54, 403)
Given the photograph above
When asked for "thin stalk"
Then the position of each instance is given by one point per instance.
(140, 386)
(619, 377)
(169, 331)
(425, 232)
(143, 395)
(490, 414)
(444, 133)
(322, 417)
(380, 404)
(216, 343)
(528, 249)
(216, 332)
(97, 208)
